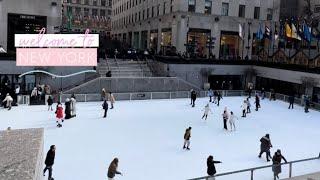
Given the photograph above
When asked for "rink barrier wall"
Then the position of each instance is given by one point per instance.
(94, 97)
(252, 170)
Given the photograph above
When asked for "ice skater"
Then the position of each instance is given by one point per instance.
(206, 111)
(244, 108)
(73, 106)
(248, 106)
(8, 101)
(50, 161)
(232, 121)
(105, 107)
(193, 98)
(111, 99)
(250, 90)
(50, 102)
(291, 101)
(265, 146)
(276, 162)
(225, 117)
(263, 93)
(306, 104)
(257, 102)
(186, 137)
(215, 95)
(211, 169)
(113, 169)
(219, 97)
(67, 111)
(191, 91)
(59, 115)
(210, 94)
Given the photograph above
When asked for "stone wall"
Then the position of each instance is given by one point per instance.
(21, 154)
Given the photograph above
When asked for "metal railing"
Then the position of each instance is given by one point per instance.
(251, 170)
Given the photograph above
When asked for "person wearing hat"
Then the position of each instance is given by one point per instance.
(113, 169)
(265, 146)
(211, 169)
(276, 161)
(8, 100)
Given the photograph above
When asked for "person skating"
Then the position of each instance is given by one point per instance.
(59, 115)
(186, 137)
(248, 106)
(206, 111)
(250, 90)
(193, 98)
(49, 161)
(210, 94)
(68, 109)
(104, 94)
(211, 169)
(105, 107)
(215, 96)
(111, 99)
(232, 121)
(225, 117)
(219, 97)
(73, 107)
(291, 101)
(263, 93)
(50, 102)
(257, 102)
(113, 169)
(244, 108)
(307, 104)
(8, 101)
(276, 161)
(265, 146)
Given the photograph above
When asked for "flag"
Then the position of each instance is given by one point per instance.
(267, 32)
(294, 32)
(260, 33)
(307, 33)
(241, 34)
(276, 33)
(288, 31)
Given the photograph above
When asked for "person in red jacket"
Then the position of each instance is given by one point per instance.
(59, 115)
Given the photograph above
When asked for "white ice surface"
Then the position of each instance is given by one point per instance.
(147, 137)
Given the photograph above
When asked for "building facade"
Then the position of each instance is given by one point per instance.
(199, 24)
(79, 15)
(298, 8)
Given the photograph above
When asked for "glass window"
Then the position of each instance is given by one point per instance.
(242, 11)
(208, 7)
(103, 2)
(256, 13)
(94, 2)
(152, 12)
(269, 14)
(86, 2)
(86, 12)
(158, 10)
(192, 5)
(102, 12)
(94, 12)
(109, 12)
(225, 9)
(164, 8)
(78, 10)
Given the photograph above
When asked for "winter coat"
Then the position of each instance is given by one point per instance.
(59, 113)
(276, 161)
(73, 107)
(104, 94)
(8, 99)
(68, 109)
(244, 106)
(207, 110)
(211, 167)
(193, 95)
(291, 99)
(50, 158)
(187, 135)
(111, 98)
(232, 119)
(105, 105)
(265, 144)
(225, 115)
(50, 101)
(34, 92)
(112, 170)
(257, 100)
(248, 104)
(210, 93)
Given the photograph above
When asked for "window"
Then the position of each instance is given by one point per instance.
(192, 5)
(103, 2)
(208, 7)
(171, 6)
(158, 10)
(143, 14)
(225, 9)
(317, 9)
(78, 10)
(164, 8)
(256, 13)
(269, 14)
(110, 2)
(86, 2)
(102, 12)
(69, 9)
(94, 12)
(86, 12)
(242, 11)
(94, 2)
(152, 12)
(147, 13)
(109, 12)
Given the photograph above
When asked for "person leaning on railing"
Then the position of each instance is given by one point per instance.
(211, 167)
(276, 161)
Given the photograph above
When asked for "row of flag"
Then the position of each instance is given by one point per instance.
(286, 32)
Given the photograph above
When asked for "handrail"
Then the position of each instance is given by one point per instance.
(256, 168)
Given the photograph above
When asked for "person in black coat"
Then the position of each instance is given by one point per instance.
(265, 146)
(257, 102)
(211, 169)
(291, 101)
(276, 161)
(105, 107)
(50, 102)
(50, 161)
(68, 109)
(193, 97)
(219, 97)
(307, 105)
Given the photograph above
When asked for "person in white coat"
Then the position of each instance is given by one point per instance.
(73, 107)
(8, 100)
(206, 111)
(244, 108)
(232, 121)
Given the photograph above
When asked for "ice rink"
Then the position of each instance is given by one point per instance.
(147, 137)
